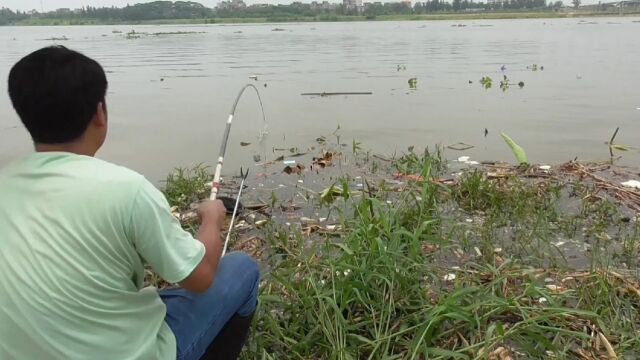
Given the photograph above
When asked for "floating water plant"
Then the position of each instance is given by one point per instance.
(413, 83)
(486, 82)
(504, 84)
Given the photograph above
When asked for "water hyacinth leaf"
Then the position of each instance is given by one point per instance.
(518, 151)
(413, 83)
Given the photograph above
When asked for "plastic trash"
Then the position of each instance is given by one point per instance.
(289, 162)
(632, 184)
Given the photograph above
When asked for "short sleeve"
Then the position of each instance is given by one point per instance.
(158, 237)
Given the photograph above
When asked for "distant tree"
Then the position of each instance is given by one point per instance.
(169, 10)
(576, 3)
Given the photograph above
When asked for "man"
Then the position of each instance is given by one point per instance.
(75, 233)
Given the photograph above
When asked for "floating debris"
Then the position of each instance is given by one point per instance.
(632, 184)
(62, 38)
(323, 94)
(326, 159)
(242, 143)
(293, 170)
(401, 68)
(465, 160)
(253, 77)
(278, 29)
(521, 84)
(413, 83)
(460, 146)
(176, 33)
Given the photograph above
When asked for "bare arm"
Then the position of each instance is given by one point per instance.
(212, 215)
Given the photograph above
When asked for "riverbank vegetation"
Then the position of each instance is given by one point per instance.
(414, 257)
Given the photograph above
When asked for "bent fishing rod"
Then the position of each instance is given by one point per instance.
(215, 185)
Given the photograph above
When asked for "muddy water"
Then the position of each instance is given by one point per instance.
(169, 95)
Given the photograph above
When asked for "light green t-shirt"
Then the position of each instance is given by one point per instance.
(75, 232)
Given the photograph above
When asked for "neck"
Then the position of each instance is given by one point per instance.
(79, 148)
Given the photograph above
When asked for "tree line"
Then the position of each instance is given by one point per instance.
(169, 10)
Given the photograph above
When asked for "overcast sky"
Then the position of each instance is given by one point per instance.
(55, 4)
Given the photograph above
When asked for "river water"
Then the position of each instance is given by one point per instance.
(169, 95)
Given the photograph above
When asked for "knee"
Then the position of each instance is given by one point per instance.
(242, 262)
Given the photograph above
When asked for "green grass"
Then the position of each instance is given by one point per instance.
(447, 271)
(185, 186)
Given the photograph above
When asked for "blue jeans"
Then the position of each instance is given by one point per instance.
(196, 319)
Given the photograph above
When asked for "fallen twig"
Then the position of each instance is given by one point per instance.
(337, 93)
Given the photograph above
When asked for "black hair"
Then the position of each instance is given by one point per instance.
(56, 92)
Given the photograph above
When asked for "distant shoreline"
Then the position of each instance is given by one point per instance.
(330, 18)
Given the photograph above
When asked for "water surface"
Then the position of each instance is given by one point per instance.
(170, 95)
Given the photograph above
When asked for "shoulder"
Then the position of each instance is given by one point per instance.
(109, 171)
(121, 179)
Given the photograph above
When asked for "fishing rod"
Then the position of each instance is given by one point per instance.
(215, 185)
(244, 176)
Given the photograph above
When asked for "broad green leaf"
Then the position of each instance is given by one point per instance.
(519, 153)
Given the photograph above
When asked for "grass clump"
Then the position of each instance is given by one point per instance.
(425, 164)
(184, 186)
